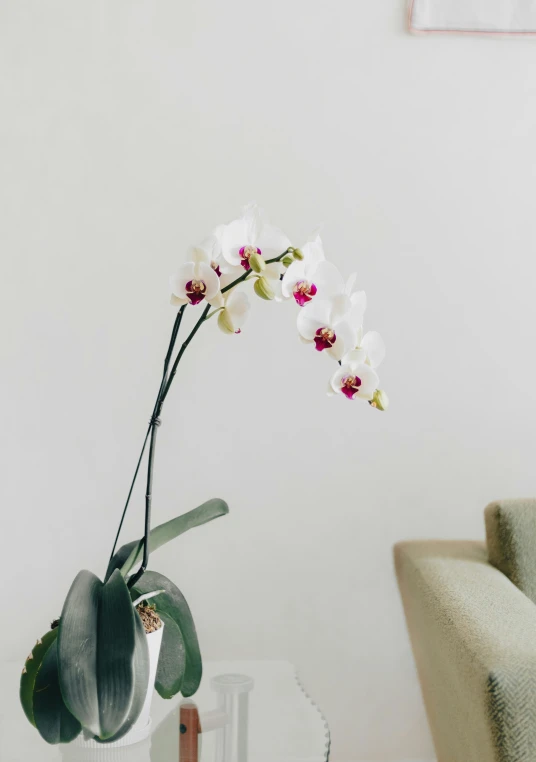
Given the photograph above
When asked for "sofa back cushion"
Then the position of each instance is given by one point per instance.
(511, 539)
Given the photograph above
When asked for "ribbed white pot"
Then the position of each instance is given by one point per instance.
(141, 728)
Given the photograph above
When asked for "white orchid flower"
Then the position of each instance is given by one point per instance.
(300, 279)
(250, 234)
(371, 346)
(197, 279)
(331, 324)
(354, 378)
(235, 312)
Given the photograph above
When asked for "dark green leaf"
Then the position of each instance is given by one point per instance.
(173, 604)
(172, 661)
(141, 680)
(130, 554)
(96, 648)
(52, 718)
(116, 645)
(31, 668)
(77, 649)
(117, 561)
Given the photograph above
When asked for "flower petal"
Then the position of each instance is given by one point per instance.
(295, 272)
(179, 279)
(354, 357)
(313, 252)
(233, 237)
(273, 271)
(217, 300)
(349, 286)
(337, 377)
(369, 381)
(320, 310)
(208, 276)
(345, 340)
(272, 241)
(198, 254)
(357, 311)
(340, 307)
(253, 220)
(230, 273)
(308, 326)
(374, 347)
(176, 302)
(328, 280)
(238, 306)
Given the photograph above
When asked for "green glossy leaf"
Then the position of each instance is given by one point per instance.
(77, 649)
(173, 604)
(31, 668)
(172, 661)
(130, 554)
(96, 645)
(52, 718)
(115, 652)
(141, 681)
(120, 558)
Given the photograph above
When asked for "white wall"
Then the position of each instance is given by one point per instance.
(128, 129)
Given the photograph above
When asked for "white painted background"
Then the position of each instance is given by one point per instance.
(128, 129)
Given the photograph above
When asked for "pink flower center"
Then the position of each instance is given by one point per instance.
(324, 339)
(195, 291)
(215, 266)
(303, 292)
(350, 385)
(245, 253)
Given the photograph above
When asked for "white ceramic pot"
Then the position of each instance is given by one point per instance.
(142, 727)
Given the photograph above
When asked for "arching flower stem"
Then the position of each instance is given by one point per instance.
(163, 391)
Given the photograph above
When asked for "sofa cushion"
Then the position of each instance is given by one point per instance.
(511, 539)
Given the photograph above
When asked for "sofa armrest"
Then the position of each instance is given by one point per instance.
(474, 639)
(510, 533)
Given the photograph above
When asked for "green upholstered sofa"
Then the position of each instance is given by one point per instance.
(471, 613)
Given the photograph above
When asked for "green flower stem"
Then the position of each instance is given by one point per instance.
(174, 334)
(182, 350)
(162, 394)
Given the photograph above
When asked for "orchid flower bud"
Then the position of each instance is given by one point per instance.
(257, 263)
(287, 260)
(225, 323)
(380, 400)
(298, 254)
(263, 289)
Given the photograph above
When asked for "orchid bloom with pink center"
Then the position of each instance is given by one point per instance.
(198, 279)
(300, 280)
(251, 234)
(354, 379)
(332, 324)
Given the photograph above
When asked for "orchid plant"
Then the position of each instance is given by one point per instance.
(90, 672)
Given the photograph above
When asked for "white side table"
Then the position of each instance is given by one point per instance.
(284, 725)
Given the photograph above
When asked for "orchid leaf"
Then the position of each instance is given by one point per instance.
(96, 651)
(120, 558)
(172, 604)
(52, 718)
(141, 678)
(130, 554)
(172, 661)
(31, 668)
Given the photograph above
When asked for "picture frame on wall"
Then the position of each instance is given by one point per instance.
(485, 17)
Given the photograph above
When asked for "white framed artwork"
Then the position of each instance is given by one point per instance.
(511, 17)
